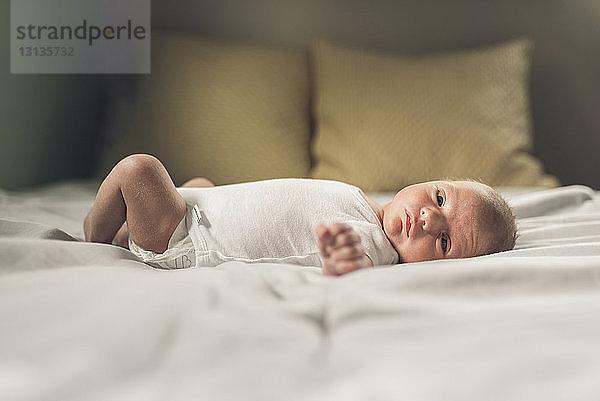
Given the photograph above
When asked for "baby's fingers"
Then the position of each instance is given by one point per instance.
(348, 253)
(339, 228)
(323, 232)
(335, 236)
(336, 268)
(345, 239)
(324, 239)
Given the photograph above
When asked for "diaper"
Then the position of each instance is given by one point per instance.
(180, 252)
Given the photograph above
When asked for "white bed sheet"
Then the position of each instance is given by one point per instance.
(84, 321)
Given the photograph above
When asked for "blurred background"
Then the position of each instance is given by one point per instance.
(54, 127)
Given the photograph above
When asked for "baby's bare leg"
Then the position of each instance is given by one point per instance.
(139, 190)
(122, 236)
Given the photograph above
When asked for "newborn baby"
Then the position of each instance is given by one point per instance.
(300, 221)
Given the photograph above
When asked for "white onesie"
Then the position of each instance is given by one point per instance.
(268, 221)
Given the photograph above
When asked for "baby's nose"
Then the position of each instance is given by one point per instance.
(431, 220)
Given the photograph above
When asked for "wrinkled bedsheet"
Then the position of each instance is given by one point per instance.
(81, 321)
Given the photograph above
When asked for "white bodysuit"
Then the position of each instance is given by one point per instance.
(268, 221)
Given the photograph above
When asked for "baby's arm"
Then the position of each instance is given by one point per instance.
(341, 249)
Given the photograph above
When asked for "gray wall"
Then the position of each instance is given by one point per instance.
(48, 123)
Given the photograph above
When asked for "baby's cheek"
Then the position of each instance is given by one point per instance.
(418, 251)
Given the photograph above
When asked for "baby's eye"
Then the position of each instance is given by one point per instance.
(440, 198)
(444, 241)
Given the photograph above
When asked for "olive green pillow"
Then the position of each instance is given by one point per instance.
(384, 121)
(229, 112)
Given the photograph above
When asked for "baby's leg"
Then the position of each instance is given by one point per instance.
(139, 190)
(122, 236)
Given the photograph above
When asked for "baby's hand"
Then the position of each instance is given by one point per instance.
(341, 249)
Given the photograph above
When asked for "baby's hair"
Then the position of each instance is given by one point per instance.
(501, 217)
(498, 215)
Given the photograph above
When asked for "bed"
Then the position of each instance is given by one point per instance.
(269, 89)
(84, 321)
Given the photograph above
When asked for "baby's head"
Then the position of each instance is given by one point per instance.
(448, 219)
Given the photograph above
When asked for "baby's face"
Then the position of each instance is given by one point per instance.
(436, 220)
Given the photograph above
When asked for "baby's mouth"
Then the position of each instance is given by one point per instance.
(407, 224)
